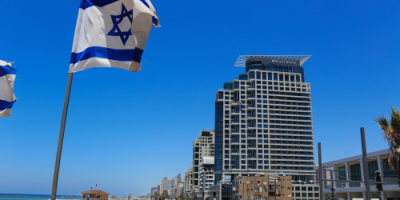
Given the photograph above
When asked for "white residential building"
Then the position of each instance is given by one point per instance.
(206, 177)
(202, 147)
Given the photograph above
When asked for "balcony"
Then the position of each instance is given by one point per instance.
(293, 153)
(289, 99)
(291, 158)
(295, 109)
(296, 143)
(297, 149)
(292, 128)
(289, 113)
(290, 138)
(291, 104)
(285, 163)
(289, 133)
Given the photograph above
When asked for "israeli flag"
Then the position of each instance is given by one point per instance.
(7, 98)
(112, 33)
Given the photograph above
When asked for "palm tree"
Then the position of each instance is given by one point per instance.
(156, 195)
(194, 195)
(391, 133)
(164, 194)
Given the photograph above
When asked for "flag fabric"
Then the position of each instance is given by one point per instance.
(7, 97)
(112, 33)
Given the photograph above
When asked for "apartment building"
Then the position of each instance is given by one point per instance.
(154, 190)
(188, 179)
(263, 120)
(262, 187)
(165, 184)
(203, 146)
(206, 171)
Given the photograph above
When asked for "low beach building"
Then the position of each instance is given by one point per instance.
(94, 194)
(349, 177)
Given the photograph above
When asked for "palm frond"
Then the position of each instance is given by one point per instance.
(395, 122)
(392, 157)
(382, 122)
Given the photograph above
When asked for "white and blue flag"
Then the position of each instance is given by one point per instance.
(112, 33)
(7, 98)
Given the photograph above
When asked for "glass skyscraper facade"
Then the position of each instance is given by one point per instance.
(263, 120)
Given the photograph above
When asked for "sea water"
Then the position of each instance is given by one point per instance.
(37, 197)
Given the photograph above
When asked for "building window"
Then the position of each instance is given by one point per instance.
(342, 173)
(251, 75)
(220, 95)
(355, 172)
(372, 167)
(387, 172)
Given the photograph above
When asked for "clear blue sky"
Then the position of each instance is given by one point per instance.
(126, 131)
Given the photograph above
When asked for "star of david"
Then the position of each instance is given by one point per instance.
(116, 19)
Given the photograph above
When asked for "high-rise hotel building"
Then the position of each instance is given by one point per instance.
(263, 120)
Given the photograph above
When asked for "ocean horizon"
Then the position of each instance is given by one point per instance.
(3, 196)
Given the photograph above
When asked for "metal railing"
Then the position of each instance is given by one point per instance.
(344, 184)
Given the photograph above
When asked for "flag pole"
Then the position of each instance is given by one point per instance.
(61, 137)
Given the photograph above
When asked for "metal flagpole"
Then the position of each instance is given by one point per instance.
(365, 165)
(61, 137)
(320, 170)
